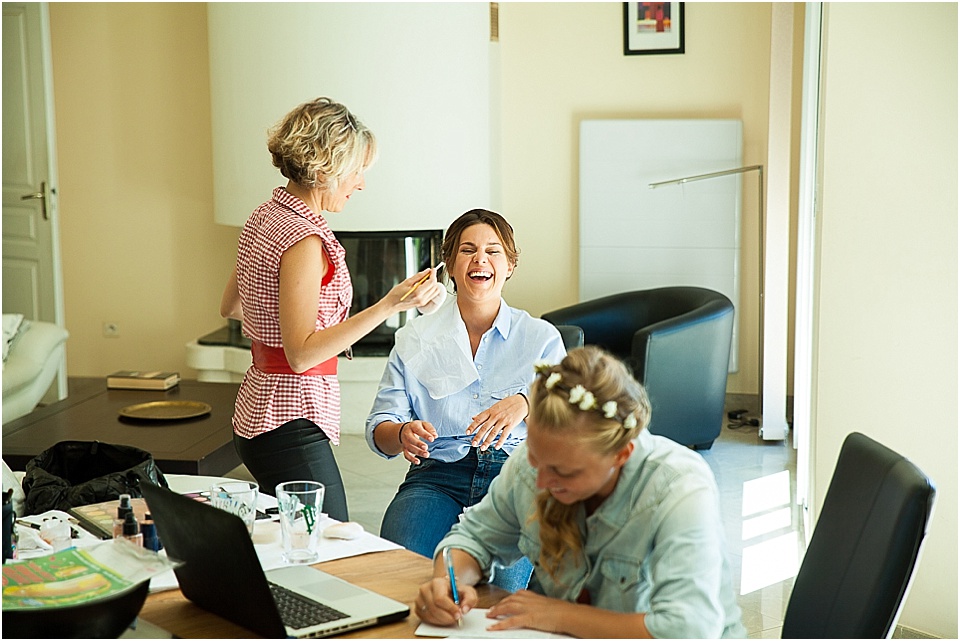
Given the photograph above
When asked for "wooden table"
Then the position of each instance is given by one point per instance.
(397, 574)
(202, 445)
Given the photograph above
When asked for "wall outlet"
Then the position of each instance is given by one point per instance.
(111, 330)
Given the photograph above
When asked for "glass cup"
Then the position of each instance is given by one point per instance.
(300, 504)
(237, 497)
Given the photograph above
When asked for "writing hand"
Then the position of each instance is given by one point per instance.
(435, 604)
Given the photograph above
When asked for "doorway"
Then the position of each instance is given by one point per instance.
(32, 282)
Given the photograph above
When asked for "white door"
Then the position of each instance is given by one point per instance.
(32, 284)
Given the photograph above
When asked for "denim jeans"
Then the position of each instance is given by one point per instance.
(431, 498)
(295, 451)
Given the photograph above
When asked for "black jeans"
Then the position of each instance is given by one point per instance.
(295, 451)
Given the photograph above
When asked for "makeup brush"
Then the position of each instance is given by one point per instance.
(418, 283)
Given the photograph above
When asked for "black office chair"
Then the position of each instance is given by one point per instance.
(864, 547)
(677, 342)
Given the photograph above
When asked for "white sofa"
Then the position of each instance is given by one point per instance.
(30, 366)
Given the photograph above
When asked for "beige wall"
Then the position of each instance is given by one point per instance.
(132, 100)
(887, 302)
(140, 247)
(564, 62)
(138, 241)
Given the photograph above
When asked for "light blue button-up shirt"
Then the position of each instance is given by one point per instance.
(431, 375)
(654, 546)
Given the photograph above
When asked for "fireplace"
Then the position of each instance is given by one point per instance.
(378, 260)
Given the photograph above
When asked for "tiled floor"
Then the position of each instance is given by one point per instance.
(756, 480)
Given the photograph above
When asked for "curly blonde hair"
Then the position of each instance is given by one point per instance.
(319, 142)
(551, 409)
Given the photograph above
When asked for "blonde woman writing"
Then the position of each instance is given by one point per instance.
(623, 527)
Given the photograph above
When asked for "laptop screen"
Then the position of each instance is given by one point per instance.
(222, 572)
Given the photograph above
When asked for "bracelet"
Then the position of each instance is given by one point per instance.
(400, 433)
(528, 404)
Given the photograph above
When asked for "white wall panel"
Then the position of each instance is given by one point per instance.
(633, 237)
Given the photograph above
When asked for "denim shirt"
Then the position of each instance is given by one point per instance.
(431, 375)
(654, 546)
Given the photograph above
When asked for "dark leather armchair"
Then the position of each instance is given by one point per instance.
(677, 342)
(571, 335)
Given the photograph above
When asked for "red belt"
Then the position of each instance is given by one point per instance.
(272, 360)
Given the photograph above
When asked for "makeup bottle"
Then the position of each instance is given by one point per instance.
(131, 529)
(125, 507)
(149, 531)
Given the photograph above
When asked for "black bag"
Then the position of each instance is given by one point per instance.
(75, 473)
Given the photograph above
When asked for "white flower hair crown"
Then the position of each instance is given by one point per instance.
(582, 397)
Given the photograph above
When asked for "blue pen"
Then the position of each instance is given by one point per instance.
(448, 560)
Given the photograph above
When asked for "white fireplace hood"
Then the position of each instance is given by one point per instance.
(418, 74)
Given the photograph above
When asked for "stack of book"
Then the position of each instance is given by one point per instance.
(127, 379)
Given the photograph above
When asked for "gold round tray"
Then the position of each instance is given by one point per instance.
(165, 410)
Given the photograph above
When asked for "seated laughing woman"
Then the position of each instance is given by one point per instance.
(623, 527)
(452, 399)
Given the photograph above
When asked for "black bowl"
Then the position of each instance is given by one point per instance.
(105, 618)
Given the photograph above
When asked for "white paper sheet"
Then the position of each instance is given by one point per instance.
(270, 551)
(475, 624)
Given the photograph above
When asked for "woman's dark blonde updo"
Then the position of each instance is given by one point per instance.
(616, 411)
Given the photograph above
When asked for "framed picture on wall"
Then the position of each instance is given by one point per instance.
(652, 28)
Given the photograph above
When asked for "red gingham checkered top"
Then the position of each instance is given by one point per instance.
(266, 401)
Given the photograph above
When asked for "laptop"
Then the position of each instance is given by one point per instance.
(222, 573)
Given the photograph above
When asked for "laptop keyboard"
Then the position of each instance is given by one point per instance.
(298, 611)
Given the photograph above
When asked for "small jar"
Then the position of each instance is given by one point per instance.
(56, 533)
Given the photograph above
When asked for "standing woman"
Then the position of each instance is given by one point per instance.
(292, 292)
